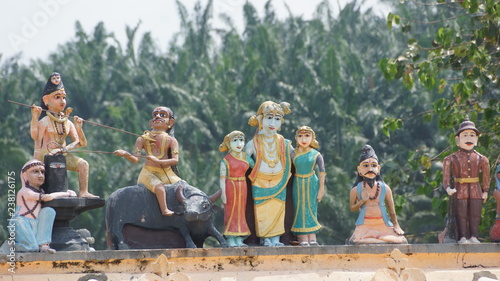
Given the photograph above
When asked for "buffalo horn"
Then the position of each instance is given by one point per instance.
(214, 197)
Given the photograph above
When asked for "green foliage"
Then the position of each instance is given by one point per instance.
(459, 59)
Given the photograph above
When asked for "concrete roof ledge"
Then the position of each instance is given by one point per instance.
(260, 251)
(327, 263)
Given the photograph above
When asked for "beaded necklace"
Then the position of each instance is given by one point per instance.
(376, 192)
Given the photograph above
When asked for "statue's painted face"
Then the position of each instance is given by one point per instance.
(161, 118)
(56, 79)
(237, 143)
(369, 168)
(271, 123)
(467, 139)
(35, 176)
(55, 101)
(304, 138)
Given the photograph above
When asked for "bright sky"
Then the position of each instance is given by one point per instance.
(37, 27)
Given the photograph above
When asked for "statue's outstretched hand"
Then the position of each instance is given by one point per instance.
(450, 191)
(120, 152)
(153, 158)
(57, 151)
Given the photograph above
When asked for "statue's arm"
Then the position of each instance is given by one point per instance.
(320, 163)
(134, 158)
(354, 202)
(35, 114)
(447, 176)
(41, 128)
(79, 130)
(75, 140)
(166, 162)
(222, 180)
(389, 201)
(485, 170)
(250, 149)
(54, 195)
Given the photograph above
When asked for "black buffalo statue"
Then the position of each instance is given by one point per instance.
(137, 206)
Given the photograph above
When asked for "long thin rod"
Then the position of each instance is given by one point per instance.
(90, 122)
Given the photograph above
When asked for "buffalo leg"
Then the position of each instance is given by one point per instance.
(212, 231)
(187, 236)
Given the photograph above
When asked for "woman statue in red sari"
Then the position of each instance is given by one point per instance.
(234, 188)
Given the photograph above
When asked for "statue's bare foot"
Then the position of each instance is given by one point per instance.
(167, 212)
(87, 195)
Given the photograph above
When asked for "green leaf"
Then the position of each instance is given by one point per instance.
(442, 85)
(390, 125)
(408, 79)
(489, 114)
(436, 202)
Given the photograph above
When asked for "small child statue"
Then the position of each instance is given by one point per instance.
(308, 190)
(234, 188)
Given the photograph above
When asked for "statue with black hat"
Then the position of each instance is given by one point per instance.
(377, 222)
(50, 127)
(466, 177)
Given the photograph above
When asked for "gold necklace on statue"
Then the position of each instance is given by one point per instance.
(270, 151)
(59, 124)
(152, 135)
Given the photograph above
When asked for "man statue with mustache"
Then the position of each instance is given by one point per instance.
(377, 222)
(461, 173)
(162, 157)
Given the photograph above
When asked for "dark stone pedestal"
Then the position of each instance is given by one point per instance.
(64, 237)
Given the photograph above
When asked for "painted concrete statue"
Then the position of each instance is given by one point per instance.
(193, 218)
(270, 175)
(162, 157)
(50, 132)
(461, 179)
(234, 188)
(167, 202)
(377, 221)
(308, 190)
(495, 231)
(33, 224)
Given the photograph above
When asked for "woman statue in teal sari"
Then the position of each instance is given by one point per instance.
(308, 190)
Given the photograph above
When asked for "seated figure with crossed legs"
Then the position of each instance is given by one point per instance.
(377, 222)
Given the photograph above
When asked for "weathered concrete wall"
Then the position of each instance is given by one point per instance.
(435, 261)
